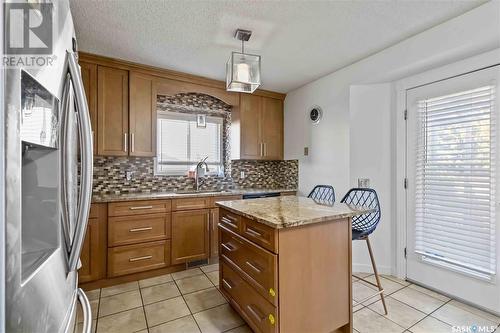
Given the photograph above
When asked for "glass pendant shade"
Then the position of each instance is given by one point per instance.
(243, 72)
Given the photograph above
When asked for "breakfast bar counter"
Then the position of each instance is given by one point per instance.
(285, 263)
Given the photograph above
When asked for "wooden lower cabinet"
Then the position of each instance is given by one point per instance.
(295, 279)
(214, 233)
(138, 257)
(190, 235)
(93, 255)
(256, 310)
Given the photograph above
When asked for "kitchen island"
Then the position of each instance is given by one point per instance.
(285, 263)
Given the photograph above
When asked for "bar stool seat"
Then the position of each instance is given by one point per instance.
(362, 226)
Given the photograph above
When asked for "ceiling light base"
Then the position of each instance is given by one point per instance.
(243, 35)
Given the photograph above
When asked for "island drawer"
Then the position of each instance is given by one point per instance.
(190, 203)
(126, 230)
(260, 234)
(129, 259)
(259, 265)
(138, 207)
(259, 313)
(229, 220)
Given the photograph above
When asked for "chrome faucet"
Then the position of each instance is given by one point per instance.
(198, 166)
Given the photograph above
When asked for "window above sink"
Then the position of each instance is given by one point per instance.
(182, 143)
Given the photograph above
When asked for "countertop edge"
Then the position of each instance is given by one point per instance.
(297, 223)
(106, 198)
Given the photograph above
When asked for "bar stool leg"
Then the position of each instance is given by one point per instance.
(376, 273)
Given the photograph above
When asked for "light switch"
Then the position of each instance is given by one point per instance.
(306, 151)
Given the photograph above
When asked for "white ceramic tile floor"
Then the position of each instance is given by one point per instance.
(189, 302)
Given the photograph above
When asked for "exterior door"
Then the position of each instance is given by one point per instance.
(452, 167)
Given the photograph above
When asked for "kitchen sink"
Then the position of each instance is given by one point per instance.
(202, 191)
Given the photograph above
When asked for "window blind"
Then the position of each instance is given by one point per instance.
(182, 144)
(455, 181)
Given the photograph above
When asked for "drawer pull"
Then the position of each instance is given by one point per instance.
(252, 266)
(228, 248)
(140, 258)
(140, 207)
(271, 319)
(227, 284)
(140, 229)
(272, 292)
(228, 221)
(256, 313)
(254, 232)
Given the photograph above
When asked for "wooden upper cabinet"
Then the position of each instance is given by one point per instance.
(250, 115)
(142, 115)
(272, 128)
(261, 127)
(89, 78)
(112, 111)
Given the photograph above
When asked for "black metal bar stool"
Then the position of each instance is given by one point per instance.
(323, 194)
(363, 226)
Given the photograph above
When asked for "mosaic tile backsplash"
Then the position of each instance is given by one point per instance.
(110, 173)
(110, 176)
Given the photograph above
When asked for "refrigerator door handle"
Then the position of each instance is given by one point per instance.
(86, 162)
(66, 107)
(87, 311)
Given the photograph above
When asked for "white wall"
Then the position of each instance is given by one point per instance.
(370, 134)
(330, 142)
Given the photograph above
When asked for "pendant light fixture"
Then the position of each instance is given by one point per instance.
(242, 69)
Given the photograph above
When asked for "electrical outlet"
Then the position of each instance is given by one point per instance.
(363, 182)
(242, 174)
(306, 151)
(129, 175)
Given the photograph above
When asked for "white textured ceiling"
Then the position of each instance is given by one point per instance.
(299, 41)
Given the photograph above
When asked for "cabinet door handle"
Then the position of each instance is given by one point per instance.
(228, 221)
(227, 284)
(253, 232)
(227, 247)
(140, 258)
(125, 142)
(261, 149)
(141, 229)
(140, 207)
(252, 266)
(265, 148)
(132, 142)
(256, 313)
(214, 222)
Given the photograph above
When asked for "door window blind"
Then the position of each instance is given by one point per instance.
(182, 144)
(455, 181)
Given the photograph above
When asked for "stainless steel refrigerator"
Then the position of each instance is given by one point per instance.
(47, 175)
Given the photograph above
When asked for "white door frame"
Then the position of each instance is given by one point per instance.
(474, 63)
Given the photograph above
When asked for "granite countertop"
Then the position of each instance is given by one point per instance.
(178, 194)
(290, 211)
